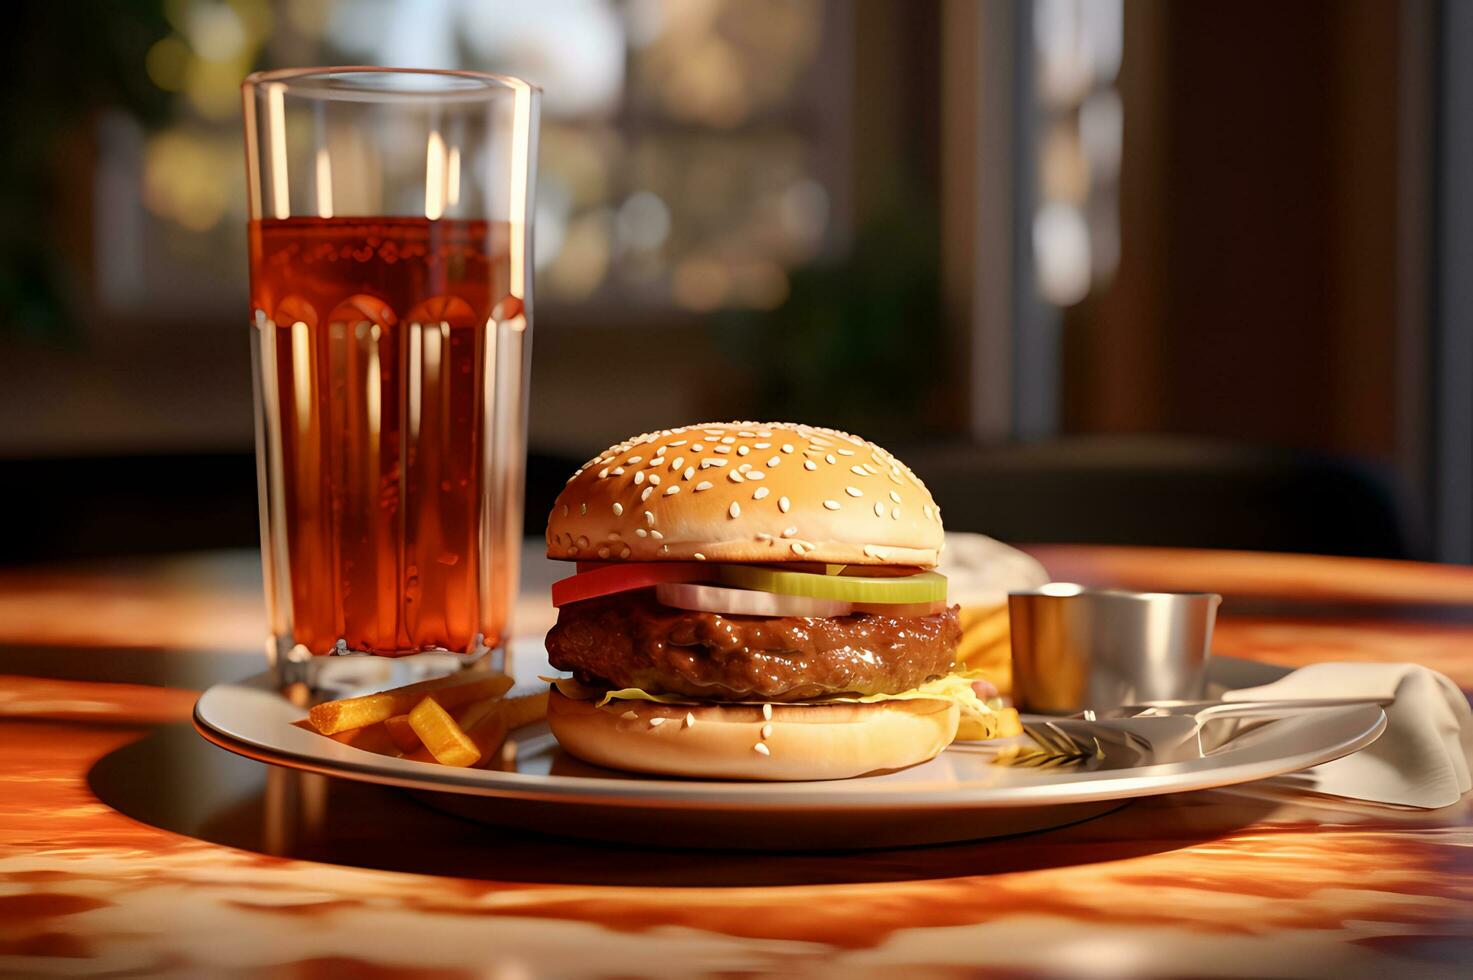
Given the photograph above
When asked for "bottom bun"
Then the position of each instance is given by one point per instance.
(805, 741)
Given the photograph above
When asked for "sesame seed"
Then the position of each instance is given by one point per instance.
(787, 447)
(735, 510)
(762, 748)
(874, 552)
(654, 479)
(783, 503)
(870, 469)
(744, 467)
(697, 447)
(767, 712)
(759, 493)
(721, 449)
(746, 435)
(565, 510)
(690, 471)
(756, 475)
(654, 722)
(690, 719)
(774, 461)
(657, 461)
(617, 471)
(809, 464)
(763, 536)
(631, 715)
(846, 452)
(656, 535)
(672, 489)
(831, 505)
(767, 729)
(582, 541)
(879, 509)
(797, 548)
(788, 532)
(640, 532)
(678, 442)
(698, 556)
(830, 459)
(854, 491)
(743, 450)
(761, 445)
(894, 513)
(735, 477)
(624, 552)
(583, 508)
(649, 518)
(895, 496)
(603, 551)
(603, 473)
(639, 478)
(618, 509)
(927, 510)
(704, 485)
(679, 462)
(646, 494)
(633, 459)
(707, 463)
(728, 440)
(857, 471)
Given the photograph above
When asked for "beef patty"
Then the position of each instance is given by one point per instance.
(630, 640)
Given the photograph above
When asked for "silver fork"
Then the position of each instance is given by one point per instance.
(1169, 731)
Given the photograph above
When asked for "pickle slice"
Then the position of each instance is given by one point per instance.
(921, 587)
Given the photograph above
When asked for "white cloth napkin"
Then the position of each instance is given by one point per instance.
(1422, 758)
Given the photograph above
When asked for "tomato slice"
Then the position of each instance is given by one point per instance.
(742, 602)
(921, 587)
(613, 577)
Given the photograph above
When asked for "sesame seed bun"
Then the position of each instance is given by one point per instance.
(801, 741)
(746, 492)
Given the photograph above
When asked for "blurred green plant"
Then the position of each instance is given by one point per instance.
(60, 64)
(859, 344)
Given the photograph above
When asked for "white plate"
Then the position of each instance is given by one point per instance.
(960, 795)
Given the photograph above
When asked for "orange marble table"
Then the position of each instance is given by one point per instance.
(130, 847)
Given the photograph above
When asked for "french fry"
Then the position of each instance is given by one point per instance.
(488, 722)
(444, 739)
(332, 717)
(488, 736)
(513, 712)
(402, 733)
(372, 738)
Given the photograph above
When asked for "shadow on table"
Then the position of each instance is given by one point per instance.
(174, 780)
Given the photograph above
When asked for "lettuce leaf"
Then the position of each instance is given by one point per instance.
(956, 687)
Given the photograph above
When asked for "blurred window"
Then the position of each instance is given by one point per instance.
(687, 153)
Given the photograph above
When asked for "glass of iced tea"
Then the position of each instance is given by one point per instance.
(391, 315)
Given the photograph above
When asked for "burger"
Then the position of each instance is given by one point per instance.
(755, 601)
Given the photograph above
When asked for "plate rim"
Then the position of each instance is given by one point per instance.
(348, 762)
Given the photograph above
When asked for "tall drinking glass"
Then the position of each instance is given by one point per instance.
(391, 314)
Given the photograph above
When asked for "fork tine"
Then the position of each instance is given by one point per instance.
(1073, 746)
(1048, 738)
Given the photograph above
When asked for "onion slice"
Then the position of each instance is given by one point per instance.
(741, 602)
